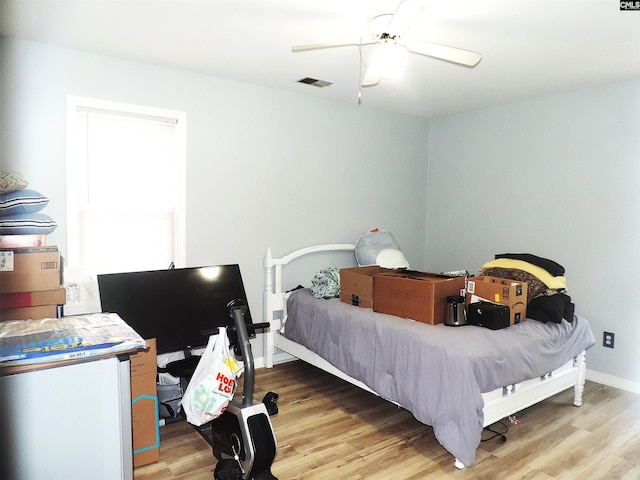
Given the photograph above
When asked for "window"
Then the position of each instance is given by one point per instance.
(125, 186)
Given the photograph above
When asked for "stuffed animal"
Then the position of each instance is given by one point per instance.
(378, 247)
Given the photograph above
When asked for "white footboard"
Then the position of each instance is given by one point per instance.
(510, 399)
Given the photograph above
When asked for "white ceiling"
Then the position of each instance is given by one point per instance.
(530, 47)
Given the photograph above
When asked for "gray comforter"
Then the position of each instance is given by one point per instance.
(438, 373)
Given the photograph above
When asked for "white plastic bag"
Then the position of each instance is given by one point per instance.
(213, 383)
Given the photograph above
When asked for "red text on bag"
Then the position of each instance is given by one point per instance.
(226, 384)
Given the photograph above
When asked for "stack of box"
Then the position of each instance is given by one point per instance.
(30, 283)
(13, 241)
(502, 291)
(356, 285)
(420, 296)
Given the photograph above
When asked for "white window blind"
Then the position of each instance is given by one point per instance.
(125, 187)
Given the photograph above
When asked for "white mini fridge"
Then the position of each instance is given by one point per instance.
(67, 422)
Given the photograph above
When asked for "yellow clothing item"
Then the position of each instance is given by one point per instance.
(545, 277)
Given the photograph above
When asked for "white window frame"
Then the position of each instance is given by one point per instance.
(76, 169)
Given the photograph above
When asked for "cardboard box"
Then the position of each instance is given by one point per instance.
(144, 406)
(10, 241)
(33, 299)
(502, 291)
(33, 313)
(420, 296)
(356, 285)
(29, 269)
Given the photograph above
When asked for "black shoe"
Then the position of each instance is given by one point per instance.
(270, 400)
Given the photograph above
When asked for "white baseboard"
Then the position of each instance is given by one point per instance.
(612, 381)
(282, 357)
(278, 357)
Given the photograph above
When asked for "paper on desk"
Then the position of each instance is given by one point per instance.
(83, 295)
(25, 342)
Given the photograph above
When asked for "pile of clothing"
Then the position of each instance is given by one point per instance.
(326, 283)
(547, 299)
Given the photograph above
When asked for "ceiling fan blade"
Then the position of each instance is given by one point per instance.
(444, 52)
(370, 78)
(407, 13)
(319, 46)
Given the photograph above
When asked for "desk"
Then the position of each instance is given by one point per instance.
(68, 421)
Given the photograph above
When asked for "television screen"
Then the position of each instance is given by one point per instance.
(177, 307)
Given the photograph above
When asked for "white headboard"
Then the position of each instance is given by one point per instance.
(274, 297)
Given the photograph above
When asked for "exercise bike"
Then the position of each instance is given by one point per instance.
(243, 432)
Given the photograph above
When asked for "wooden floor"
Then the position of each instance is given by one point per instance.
(329, 429)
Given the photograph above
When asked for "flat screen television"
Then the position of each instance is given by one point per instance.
(178, 307)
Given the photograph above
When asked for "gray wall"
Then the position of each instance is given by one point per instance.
(555, 176)
(264, 168)
(558, 177)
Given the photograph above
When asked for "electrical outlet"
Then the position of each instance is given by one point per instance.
(608, 339)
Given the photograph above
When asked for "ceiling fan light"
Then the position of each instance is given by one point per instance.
(389, 60)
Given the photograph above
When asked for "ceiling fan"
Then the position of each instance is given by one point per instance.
(388, 31)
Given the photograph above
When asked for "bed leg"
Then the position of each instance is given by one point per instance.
(268, 310)
(269, 348)
(459, 465)
(578, 389)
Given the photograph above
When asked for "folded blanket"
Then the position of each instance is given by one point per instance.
(551, 281)
(550, 266)
(535, 287)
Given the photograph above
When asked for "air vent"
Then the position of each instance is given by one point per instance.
(315, 82)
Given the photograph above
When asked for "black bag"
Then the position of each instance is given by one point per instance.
(227, 469)
(489, 315)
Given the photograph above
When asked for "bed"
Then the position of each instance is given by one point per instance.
(457, 380)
